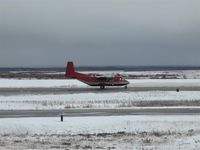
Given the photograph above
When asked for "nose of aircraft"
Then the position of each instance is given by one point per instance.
(127, 82)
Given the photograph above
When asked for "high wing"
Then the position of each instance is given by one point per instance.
(95, 79)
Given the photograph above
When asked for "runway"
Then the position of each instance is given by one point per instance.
(98, 112)
(60, 90)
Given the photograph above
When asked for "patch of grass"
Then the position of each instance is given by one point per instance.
(88, 106)
(147, 140)
(87, 147)
(17, 141)
(159, 103)
(66, 143)
(68, 106)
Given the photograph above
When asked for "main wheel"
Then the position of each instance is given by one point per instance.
(102, 87)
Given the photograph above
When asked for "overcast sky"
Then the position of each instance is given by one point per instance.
(45, 33)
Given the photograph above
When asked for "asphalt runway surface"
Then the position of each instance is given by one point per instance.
(98, 112)
(70, 90)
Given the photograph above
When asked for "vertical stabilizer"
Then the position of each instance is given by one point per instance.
(70, 72)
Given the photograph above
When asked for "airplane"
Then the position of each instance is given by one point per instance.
(95, 79)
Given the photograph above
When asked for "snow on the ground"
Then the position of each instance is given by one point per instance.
(94, 100)
(188, 74)
(164, 83)
(26, 83)
(102, 124)
(142, 132)
(126, 132)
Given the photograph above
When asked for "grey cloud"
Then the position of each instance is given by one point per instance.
(99, 32)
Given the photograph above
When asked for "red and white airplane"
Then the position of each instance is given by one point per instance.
(94, 79)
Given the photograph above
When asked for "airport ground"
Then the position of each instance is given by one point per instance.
(145, 116)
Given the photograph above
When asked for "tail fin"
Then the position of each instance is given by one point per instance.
(70, 72)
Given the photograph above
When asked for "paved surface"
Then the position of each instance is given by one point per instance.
(98, 112)
(18, 91)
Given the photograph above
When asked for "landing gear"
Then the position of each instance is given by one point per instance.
(125, 87)
(102, 87)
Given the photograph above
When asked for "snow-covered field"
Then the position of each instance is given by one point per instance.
(182, 74)
(106, 132)
(97, 100)
(92, 99)
(119, 132)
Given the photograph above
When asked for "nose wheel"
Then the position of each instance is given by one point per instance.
(125, 87)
